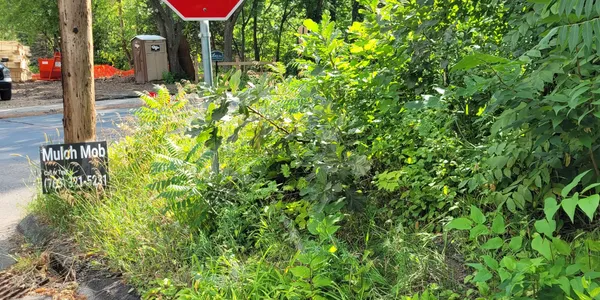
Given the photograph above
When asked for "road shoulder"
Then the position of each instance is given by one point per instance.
(58, 108)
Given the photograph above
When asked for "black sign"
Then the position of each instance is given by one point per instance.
(155, 48)
(217, 56)
(70, 166)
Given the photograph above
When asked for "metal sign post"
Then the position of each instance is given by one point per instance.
(217, 56)
(206, 52)
(204, 10)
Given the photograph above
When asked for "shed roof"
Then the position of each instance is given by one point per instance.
(149, 38)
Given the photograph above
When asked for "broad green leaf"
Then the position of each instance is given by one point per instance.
(569, 205)
(476, 215)
(593, 245)
(515, 243)
(542, 246)
(534, 53)
(562, 8)
(539, 1)
(235, 80)
(561, 246)
(321, 281)
(311, 25)
(482, 276)
(519, 199)
(572, 269)
(550, 208)
(598, 7)
(589, 8)
(498, 226)
(414, 105)
(509, 262)
(471, 61)
(493, 244)
(546, 227)
(476, 266)
(579, 8)
(582, 295)
(565, 285)
(510, 204)
(591, 275)
(585, 283)
(563, 34)
(504, 275)
(497, 162)
(544, 42)
(317, 261)
(570, 6)
(460, 224)
(301, 271)
(490, 262)
(567, 189)
(477, 231)
(589, 187)
(576, 284)
(573, 37)
(589, 205)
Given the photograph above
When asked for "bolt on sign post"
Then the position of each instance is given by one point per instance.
(205, 11)
(77, 70)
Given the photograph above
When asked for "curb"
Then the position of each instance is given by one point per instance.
(6, 260)
(94, 284)
(118, 97)
(54, 111)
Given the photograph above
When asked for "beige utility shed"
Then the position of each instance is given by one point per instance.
(150, 59)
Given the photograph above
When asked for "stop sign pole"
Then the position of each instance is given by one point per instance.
(205, 11)
(206, 52)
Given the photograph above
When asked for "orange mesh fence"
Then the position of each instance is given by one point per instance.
(100, 71)
(106, 71)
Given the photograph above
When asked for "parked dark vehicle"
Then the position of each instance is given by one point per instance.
(5, 81)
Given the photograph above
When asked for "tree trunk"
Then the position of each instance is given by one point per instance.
(333, 10)
(314, 9)
(77, 70)
(356, 16)
(243, 31)
(255, 30)
(185, 58)
(170, 29)
(245, 22)
(284, 19)
(124, 42)
(228, 36)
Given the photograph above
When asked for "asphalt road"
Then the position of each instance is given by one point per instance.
(20, 139)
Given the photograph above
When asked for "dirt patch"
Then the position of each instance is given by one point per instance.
(50, 92)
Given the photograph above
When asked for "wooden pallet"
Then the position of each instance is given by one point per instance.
(23, 64)
(18, 59)
(21, 75)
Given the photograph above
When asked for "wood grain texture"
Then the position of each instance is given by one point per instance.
(77, 70)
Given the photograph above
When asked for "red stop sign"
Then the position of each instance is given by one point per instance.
(196, 10)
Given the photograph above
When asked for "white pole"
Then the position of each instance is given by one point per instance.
(206, 52)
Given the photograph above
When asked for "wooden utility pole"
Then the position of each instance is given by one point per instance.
(77, 70)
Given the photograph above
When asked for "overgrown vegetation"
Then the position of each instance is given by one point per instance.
(436, 150)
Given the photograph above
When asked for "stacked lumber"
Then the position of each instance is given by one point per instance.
(18, 60)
